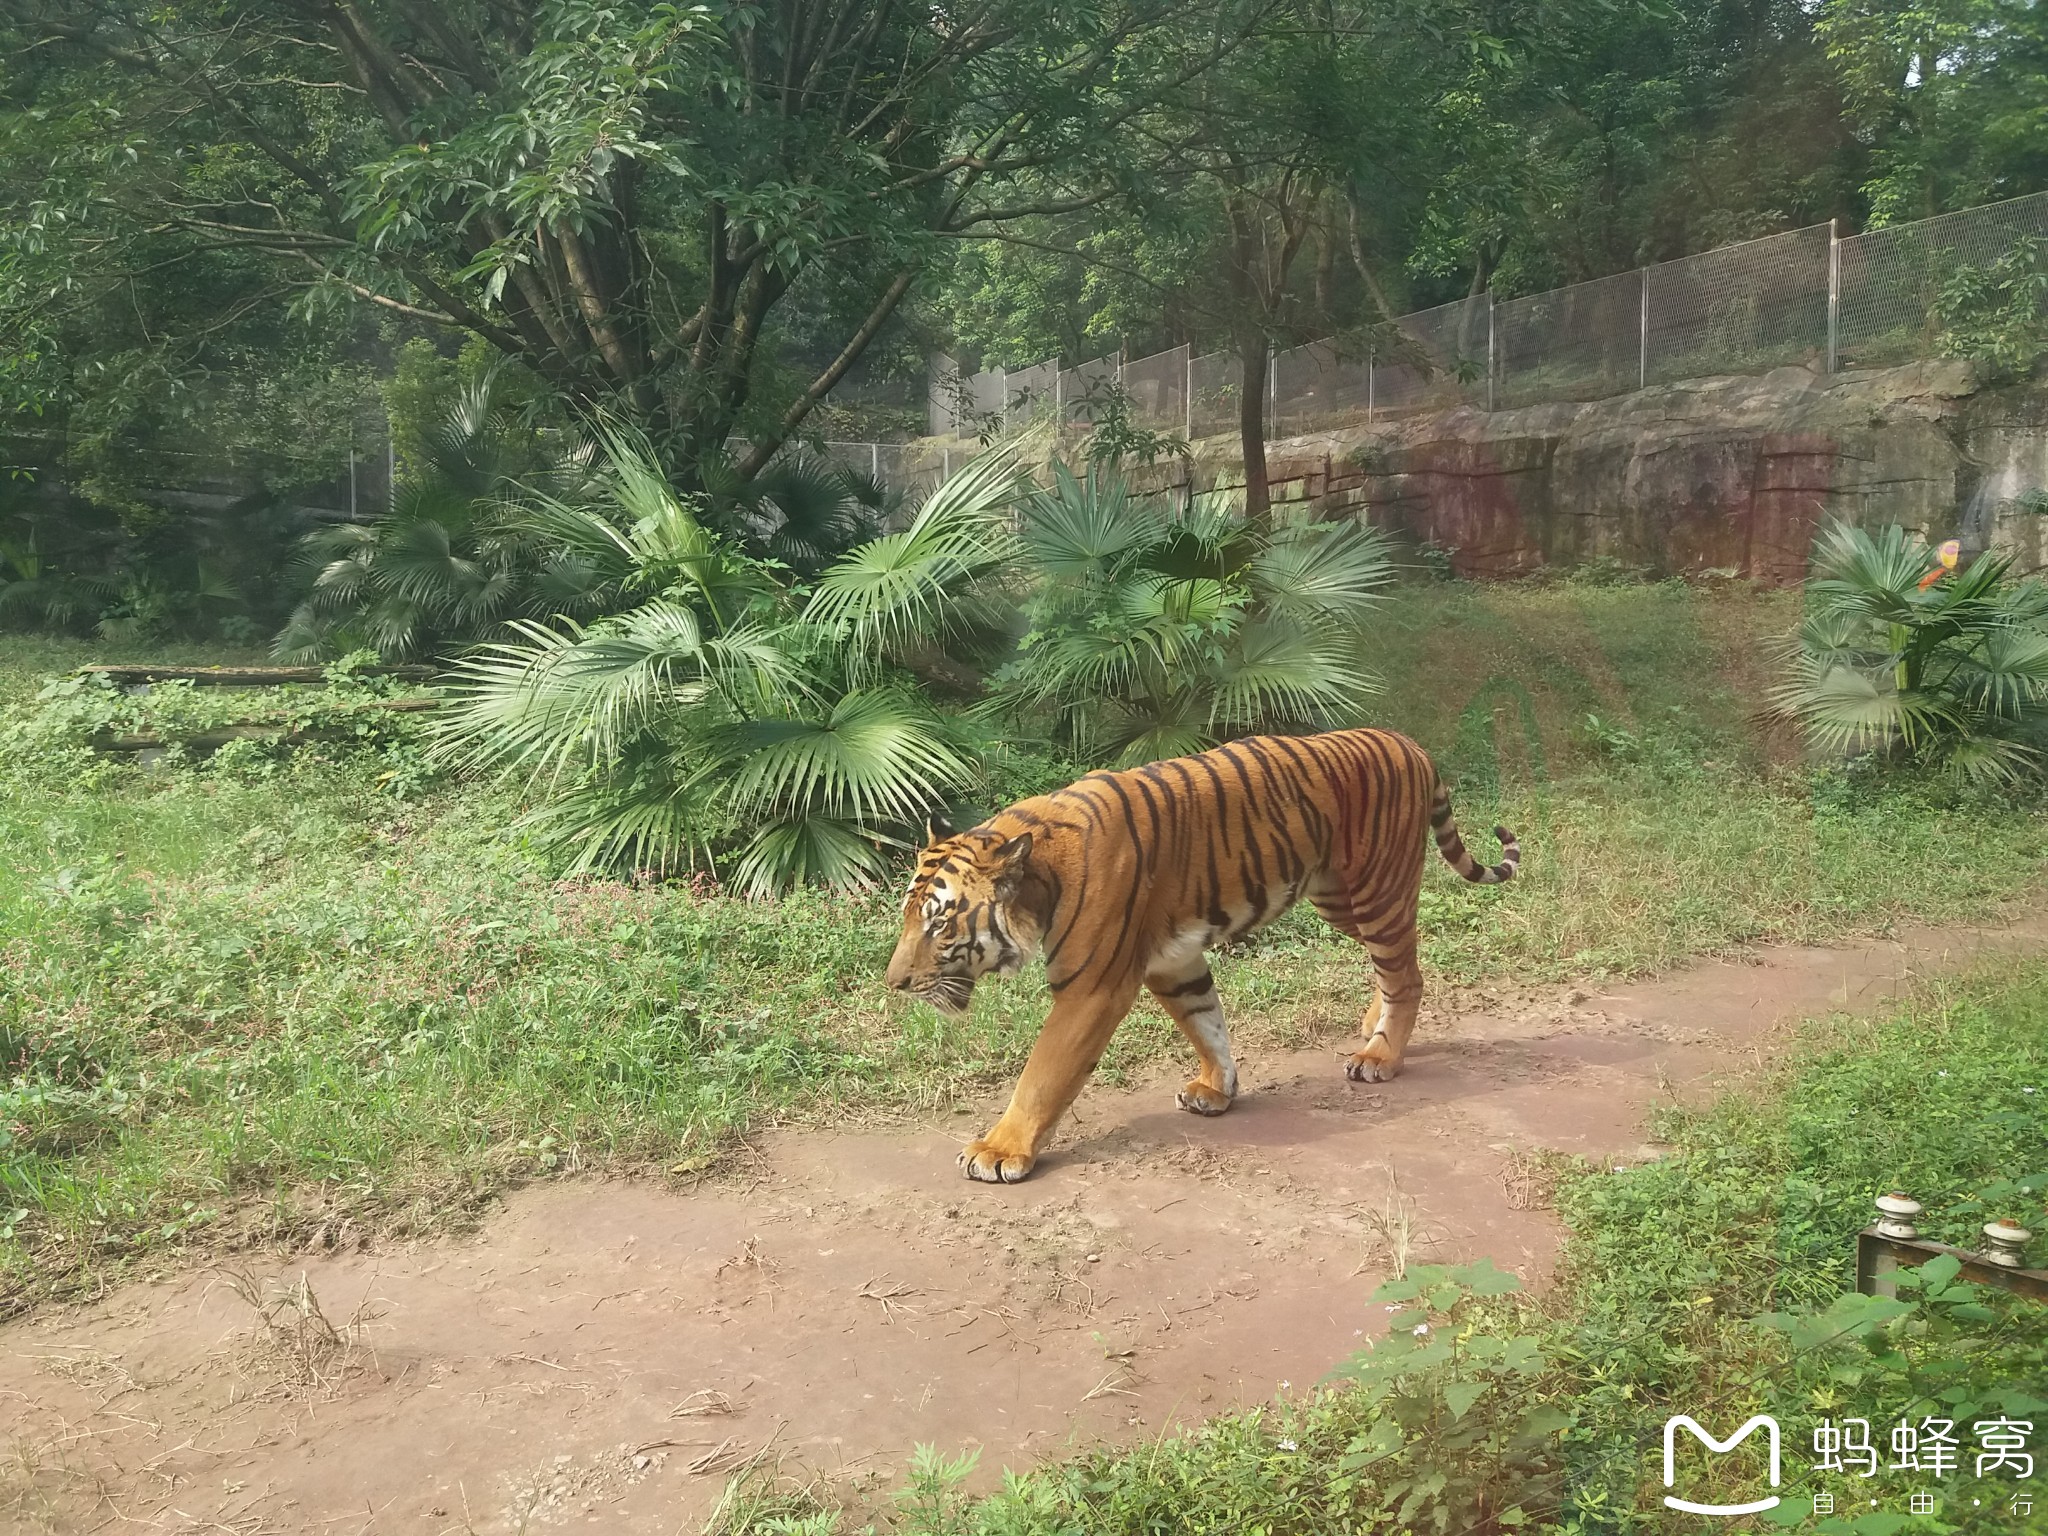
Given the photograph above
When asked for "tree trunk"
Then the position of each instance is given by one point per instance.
(1468, 316)
(1252, 352)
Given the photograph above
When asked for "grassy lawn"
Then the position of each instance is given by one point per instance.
(1717, 1282)
(265, 996)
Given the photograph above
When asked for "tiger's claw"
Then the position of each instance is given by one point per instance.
(985, 1164)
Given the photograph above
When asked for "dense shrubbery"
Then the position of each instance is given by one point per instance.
(729, 707)
(1159, 629)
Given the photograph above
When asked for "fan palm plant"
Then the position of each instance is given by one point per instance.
(1159, 630)
(35, 590)
(1896, 659)
(800, 512)
(717, 717)
(451, 561)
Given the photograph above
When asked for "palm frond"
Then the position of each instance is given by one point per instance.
(642, 815)
(1281, 673)
(1087, 531)
(899, 589)
(1989, 761)
(872, 756)
(1335, 571)
(566, 699)
(803, 850)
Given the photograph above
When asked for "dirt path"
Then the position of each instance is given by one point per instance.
(601, 1352)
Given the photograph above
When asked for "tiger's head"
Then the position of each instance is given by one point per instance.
(971, 912)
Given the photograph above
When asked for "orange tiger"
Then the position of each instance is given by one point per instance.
(1124, 879)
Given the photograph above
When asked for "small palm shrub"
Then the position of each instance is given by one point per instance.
(1158, 629)
(452, 560)
(1950, 675)
(36, 590)
(723, 715)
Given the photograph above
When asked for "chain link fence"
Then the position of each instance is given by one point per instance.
(1576, 343)
(1890, 283)
(1031, 395)
(1743, 308)
(1802, 298)
(1157, 389)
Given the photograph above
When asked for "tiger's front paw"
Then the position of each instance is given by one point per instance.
(1377, 1063)
(989, 1164)
(1198, 1098)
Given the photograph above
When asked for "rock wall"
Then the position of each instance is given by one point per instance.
(1731, 474)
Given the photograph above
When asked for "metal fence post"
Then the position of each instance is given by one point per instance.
(1059, 399)
(1834, 296)
(1371, 361)
(875, 455)
(1643, 338)
(1491, 355)
(1187, 393)
(1272, 392)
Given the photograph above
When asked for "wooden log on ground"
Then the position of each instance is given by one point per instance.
(248, 677)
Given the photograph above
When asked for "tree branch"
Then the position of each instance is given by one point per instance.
(762, 451)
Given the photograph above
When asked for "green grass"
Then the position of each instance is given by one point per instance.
(258, 998)
(1711, 1283)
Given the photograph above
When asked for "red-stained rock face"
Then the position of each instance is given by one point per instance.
(1731, 474)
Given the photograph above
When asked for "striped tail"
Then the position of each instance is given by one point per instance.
(1452, 846)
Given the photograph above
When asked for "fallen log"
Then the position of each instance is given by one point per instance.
(248, 677)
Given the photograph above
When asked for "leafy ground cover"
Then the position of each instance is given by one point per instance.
(246, 994)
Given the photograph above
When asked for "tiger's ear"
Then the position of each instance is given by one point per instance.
(936, 828)
(1016, 850)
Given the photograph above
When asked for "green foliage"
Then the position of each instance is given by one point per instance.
(1997, 315)
(1460, 1430)
(1115, 440)
(1947, 94)
(1753, 1215)
(86, 708)
(1159, 630)
(451, 561)
(1951, 675)
(659, 210)
(718, 716)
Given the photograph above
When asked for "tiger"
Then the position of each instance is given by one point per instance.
(1125, 878)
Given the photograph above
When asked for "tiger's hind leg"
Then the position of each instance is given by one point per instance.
(1397, 998)
(1188, 993)
(1383, 921)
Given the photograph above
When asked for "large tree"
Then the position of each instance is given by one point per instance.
(624, 199)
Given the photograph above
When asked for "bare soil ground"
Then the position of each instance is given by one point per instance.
(601, 1355)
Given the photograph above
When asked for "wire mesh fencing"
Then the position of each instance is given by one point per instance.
(1578, 343)
(1215, 392)
(1804, 298)
(1902, 289)
(1743, 308)
(1085, 391)
(1320, 386)
(1437, 359)
(1031, 394)
(1157, 389)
